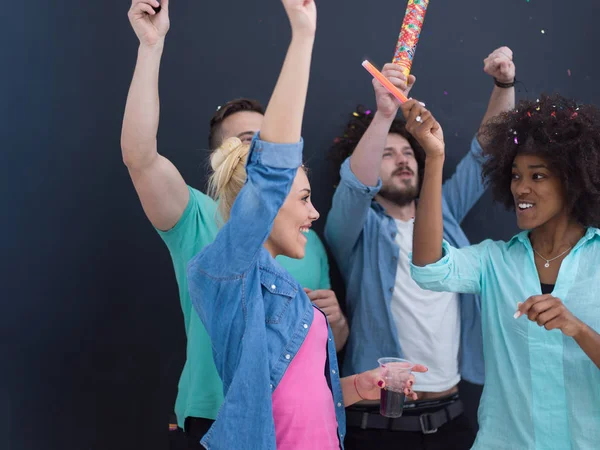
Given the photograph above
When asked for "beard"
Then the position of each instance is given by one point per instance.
(400, 196)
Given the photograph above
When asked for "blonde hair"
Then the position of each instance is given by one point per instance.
(228, 163)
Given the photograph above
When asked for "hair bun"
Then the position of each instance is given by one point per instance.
(226, 149)
(228, 163)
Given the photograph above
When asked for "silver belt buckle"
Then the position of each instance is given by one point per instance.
(424, 429)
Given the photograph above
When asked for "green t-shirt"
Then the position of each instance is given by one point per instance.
(200, 388)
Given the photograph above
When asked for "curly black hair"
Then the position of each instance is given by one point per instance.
(360, 120)
(565, 134)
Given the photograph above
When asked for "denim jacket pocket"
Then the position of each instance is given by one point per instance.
(277, 295)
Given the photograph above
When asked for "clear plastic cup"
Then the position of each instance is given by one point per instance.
(396, 374)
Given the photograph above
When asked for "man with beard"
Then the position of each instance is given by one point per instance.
(370, 232)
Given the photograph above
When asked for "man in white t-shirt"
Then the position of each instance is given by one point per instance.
(370, 230)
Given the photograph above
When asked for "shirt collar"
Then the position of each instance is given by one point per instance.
(523, 237)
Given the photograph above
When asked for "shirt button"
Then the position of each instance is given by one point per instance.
(273, 287)
(287, 356)
(394, 258)
(330, 339)
(305, 326)
(339, 405)
(392, 290)
(333, 372)
(393, 235)
(271, 386)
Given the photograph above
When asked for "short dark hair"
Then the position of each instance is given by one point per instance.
(228, 109)
(565, 134)
(360, 120)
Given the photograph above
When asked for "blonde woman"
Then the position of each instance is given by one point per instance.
(273, 350)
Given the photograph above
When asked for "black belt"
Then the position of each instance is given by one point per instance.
(426, 423)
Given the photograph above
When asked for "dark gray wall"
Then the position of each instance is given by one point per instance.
(91, 334)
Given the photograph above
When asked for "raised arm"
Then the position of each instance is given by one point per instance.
(500, 66)
(360, 176)
(429, 225)
(365, 161)
(465, 187)
(275, 155)
(160, 187)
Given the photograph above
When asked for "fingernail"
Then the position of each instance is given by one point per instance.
(518, 314)
(422, 104)
(380, 384)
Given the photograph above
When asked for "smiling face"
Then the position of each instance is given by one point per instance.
(538, 192)
(288, 236)
(399, 171)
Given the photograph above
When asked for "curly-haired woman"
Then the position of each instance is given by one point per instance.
(540, 306)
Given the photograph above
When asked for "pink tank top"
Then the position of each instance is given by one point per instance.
(303, 407)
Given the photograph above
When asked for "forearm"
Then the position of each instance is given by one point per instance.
(501, 100)
(283, 117)
(349, 391)
(140, 123)
(365, 161)
(340, 332)
(429, 226)
(589, 341)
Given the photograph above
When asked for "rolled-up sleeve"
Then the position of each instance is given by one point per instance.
(459, 270)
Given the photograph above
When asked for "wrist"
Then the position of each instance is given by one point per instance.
(505, 84)
(303, 36)
(385, 118)
(153, 49)
(581, 329)
(435, 159)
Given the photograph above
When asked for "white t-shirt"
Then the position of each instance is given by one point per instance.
(428, 323)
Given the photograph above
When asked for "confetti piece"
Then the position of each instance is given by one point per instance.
(543, 32)
(569, 72)
(516, 140)
(367, 112)
(445, 92)
(574, 115)
(355, 114)
(553, 114)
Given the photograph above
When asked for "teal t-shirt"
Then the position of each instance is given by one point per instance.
(200, 391)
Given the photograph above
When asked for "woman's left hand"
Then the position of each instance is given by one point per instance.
(369, 383)
(550, 312)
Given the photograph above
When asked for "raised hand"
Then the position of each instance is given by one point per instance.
(425, 129)
(499, 64)
(149, 26)
(386, 102)
(302, 15)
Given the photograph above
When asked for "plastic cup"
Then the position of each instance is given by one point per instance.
(396, 374)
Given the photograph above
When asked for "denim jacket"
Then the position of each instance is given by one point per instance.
(256, 314)
(362, 238)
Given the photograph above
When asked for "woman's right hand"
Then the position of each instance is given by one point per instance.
(149, 26)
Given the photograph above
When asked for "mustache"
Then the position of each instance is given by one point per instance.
(402, 169)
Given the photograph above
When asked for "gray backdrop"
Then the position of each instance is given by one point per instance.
(92, 341)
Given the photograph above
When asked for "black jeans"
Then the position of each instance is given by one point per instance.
(457, 434)
(195, 429)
